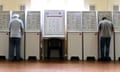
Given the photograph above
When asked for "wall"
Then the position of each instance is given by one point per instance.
(13, 4)
(113, 2)
(102, 5)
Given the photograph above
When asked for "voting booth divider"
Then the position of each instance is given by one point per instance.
(33, 35)
(4, 33)
(74, 35)
(116, 21)
(90, 37)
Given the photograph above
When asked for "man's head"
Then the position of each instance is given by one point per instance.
(103, 18)
(15, 16)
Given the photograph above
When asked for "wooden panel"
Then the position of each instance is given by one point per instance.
(58, 66)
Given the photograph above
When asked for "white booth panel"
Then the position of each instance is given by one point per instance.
(74, 21)
(32, 45)
(116, 22)
(4, 21)
(54, 23)
(4, 37)
(32, 29)
(22, 48)
(90, 45)
(32, 21)
(112, 49)
(117, 45)
(4, 44)
(74, 45)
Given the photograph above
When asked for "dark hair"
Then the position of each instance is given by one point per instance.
(104, 18)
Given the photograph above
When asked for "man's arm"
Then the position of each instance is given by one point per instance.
(9, 26)
(112, 27)
(99, 28)
(22, 27)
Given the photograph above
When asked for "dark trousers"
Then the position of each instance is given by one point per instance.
(14, 43)
(105, 47)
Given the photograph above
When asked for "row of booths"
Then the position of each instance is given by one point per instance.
(60, 34)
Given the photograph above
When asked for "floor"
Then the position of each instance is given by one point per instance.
(59, 66)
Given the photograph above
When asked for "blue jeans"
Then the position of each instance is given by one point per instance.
(105, 47)
(14, 43)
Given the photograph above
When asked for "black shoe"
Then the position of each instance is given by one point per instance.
(11, 60)
(108, 59)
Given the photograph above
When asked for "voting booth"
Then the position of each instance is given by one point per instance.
(116, 23)
(4, 33)
(53, 35)
(22, 16)
(107, 14)
(74, 34)
(90, 37)
(32, 33)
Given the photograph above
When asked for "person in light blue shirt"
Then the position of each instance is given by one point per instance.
(106, 30)
(16, 29)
